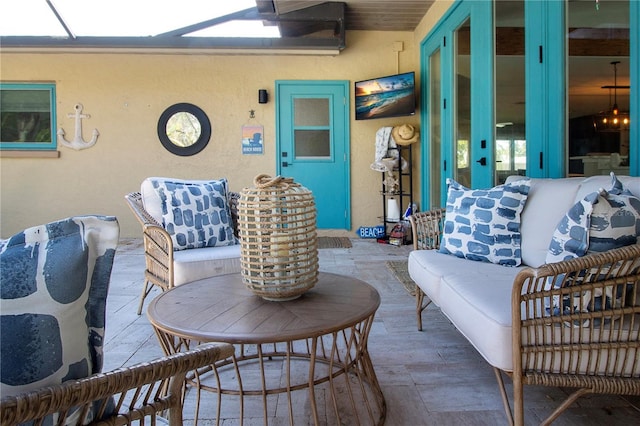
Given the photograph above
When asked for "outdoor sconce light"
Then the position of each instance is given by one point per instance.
(263, 96)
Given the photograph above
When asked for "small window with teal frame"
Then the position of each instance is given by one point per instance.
(27, 116)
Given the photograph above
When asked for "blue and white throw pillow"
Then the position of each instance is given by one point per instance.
(54, 280)
(484, 224)
(602, 221)
(196, 214)
(570, 239)
(615, 220)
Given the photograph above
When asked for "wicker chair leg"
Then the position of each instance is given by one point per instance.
(567, 402)
(420, 307)
(518, 400)
(419, 298)
(146, 289)
(503, 394)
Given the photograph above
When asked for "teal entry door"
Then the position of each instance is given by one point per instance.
(312, 142)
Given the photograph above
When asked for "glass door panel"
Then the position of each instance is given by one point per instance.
(598, 87)
(462, 106)
(435, 117)
(312, 131)
(509, 89)
(311, 111)
(312, 143)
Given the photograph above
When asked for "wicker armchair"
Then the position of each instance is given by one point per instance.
(594, 350)
(158, 246)
(142, 391)
(426, 229)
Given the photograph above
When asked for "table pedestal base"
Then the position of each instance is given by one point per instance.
(335, 370)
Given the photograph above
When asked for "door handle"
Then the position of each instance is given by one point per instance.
(482, 161)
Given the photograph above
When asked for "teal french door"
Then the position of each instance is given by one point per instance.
(457, 99)
(496, 86)
(312, 142)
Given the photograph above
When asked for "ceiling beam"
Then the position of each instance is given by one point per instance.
(60, 19)
(9, 42)
(246, 14)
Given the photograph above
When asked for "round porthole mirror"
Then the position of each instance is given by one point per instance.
(184, 129)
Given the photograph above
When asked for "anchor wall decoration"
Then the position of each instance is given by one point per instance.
(78, 143)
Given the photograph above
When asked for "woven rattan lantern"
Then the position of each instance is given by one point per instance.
(278, 239)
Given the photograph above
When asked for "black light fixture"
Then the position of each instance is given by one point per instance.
(263, 96)
(613, 120)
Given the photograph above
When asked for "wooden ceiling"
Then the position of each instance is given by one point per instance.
(370, 15)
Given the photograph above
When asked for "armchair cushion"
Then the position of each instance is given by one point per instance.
(484, 224)
(196, 264)
(196, 214)
(54, 282)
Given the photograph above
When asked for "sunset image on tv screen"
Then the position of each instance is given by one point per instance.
(390, 96)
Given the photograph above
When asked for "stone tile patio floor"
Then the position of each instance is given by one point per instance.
(433, 377)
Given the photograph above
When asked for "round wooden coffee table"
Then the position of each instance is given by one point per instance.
(317, 342)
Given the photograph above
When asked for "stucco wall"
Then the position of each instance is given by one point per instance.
(126, 93)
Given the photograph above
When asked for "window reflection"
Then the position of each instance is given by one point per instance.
(183, 129)
(435, 87)
(598, 79)
(510, 146)
(462, 172)
(26, 112)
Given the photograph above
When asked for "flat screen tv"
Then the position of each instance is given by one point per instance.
(390, 96)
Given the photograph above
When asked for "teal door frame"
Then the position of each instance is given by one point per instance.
(428, 48)
(545, 88)
(482, 128)
(634, 64)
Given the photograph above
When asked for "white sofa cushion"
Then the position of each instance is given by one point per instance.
(478, 303)
(196, 264)
(548, 201)
(431, 271)
(427, 267)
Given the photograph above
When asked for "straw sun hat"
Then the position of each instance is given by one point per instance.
(405, 134)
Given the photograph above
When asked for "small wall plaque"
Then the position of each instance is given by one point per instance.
(371, 231)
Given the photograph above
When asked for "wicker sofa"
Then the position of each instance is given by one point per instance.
(165, 266)
(504, 312)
